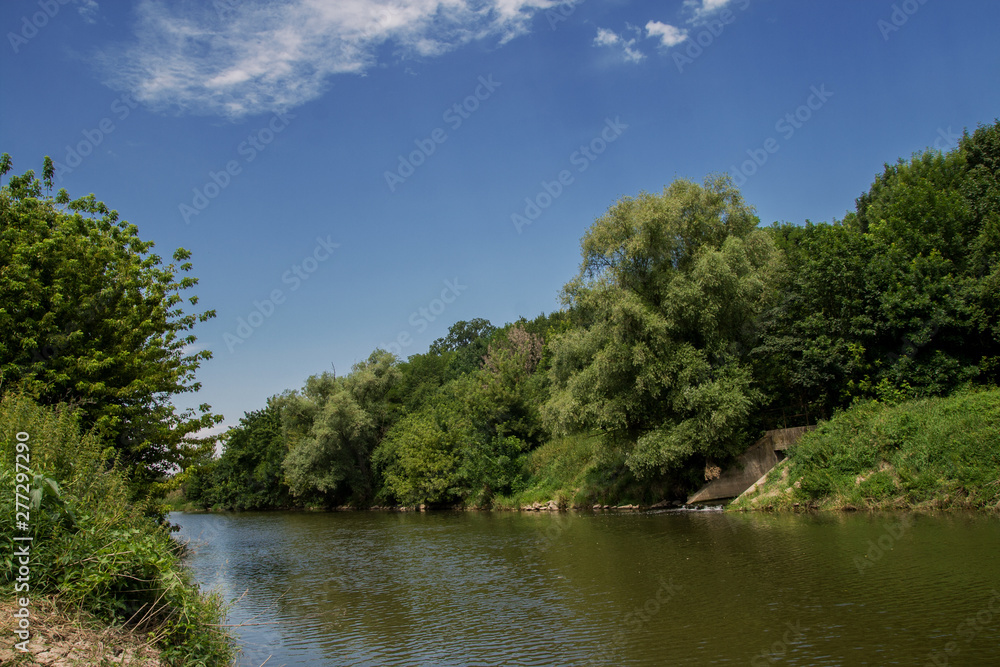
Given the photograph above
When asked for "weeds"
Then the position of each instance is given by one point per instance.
(935, 452)
(96, 552)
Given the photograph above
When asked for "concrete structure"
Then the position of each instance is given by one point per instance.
(752, 465)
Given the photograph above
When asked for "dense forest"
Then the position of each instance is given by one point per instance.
(689, 329)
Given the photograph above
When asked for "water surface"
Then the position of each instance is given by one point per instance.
(657, 588)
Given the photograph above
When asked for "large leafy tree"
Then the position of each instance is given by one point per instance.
(332, 426)
(469, 439)
(249, 474)
(92, 317)
(667, 302)
(420, 459)
(468, 340)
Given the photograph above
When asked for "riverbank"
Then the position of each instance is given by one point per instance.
(112, 567)
(936, 453)
(67, 637)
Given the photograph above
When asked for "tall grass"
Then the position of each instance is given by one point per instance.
(579, 471)
(92, 549)
(935, 452)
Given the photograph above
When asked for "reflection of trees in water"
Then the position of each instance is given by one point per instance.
(471, 588)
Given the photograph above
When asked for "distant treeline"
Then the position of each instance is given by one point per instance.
(688, 330)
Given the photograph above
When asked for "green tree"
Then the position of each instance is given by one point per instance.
(468, 340)
(91, 317)
(815, 337)
(420, 458)
(667, 301)
(332, 426)
(510, 388)
(421, 376)
(900, 299)
(249, 474)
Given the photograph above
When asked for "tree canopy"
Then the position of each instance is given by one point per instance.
(667, 300)
(901, 297)
(90, 316)
(686, 330)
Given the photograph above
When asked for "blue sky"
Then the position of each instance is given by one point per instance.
(364, 173)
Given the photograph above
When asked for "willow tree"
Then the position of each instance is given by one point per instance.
(91, 317)
(667, 303)
(333, 425)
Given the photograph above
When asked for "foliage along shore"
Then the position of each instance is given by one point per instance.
(689, 330)
(933, 453)
(97, 559)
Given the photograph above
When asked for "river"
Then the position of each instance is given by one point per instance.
(650, 588)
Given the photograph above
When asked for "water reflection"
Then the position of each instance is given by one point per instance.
(624, 589)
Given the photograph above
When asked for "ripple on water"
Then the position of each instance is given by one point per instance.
(472, 589)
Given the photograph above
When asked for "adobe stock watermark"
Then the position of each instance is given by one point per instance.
(121, 108)
(968, 630)
(421, 318)
(778, 649)
(704, 38)
(787, 125)
(634, 621)
(901, 13)
(30, 25)
(294, 276)
(248, 149)
(878, 549)
(946, 140)
(581, 159)
(21, 557)
(561, 12)
(454, 116)
(552, 533)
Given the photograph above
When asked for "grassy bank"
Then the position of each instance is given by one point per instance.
(577, 471)
(93, 553)
(931, 453)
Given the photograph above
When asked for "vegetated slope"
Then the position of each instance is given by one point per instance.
(929, 453)
(93, 551)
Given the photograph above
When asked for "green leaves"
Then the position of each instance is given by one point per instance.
(92, 318)
(668, 298)
(900, 299)
(333, 425)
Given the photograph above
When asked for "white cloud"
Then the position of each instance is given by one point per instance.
(606, 37)
(241, 57)
(668, 34)
(703, 8)
(89, 9)
(609, 38)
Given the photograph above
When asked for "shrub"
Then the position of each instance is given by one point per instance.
(94, 550)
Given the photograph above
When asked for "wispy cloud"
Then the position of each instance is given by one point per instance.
(89, 9)
(704, 8)
(669, 35)
(610, 38)
(235, 58)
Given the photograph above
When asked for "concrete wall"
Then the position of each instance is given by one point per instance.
(751, 466)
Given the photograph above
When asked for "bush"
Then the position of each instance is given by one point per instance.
(92, 548)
